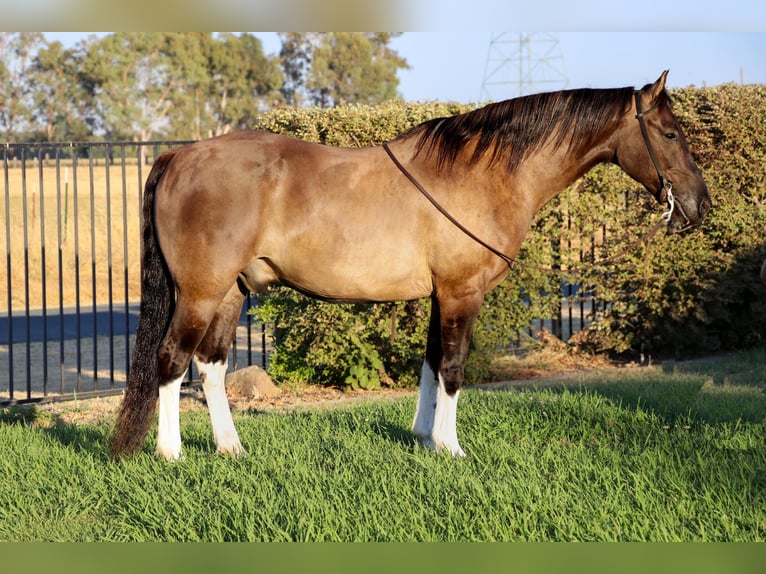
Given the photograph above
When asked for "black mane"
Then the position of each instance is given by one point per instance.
(511, 129)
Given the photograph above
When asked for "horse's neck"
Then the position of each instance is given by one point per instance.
(547, 175)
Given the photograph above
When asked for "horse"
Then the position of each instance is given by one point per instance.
(439, 211)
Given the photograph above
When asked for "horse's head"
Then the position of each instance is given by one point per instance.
(652, 149)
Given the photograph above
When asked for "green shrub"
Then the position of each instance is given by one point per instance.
(357, 346)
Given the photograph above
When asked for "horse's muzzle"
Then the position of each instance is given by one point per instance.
(685, 216)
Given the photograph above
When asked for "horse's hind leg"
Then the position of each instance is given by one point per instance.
(191, 319)
(211, 360)
(169, 424)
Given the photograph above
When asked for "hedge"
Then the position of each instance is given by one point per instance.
(676, 295)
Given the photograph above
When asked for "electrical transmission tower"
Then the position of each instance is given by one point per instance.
(519, 64)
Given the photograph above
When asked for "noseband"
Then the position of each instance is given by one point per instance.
(665, 193)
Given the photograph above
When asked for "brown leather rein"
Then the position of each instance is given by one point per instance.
(509, 260)
(665, 193)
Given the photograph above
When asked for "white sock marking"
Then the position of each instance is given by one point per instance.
(423, 423)
(169, 428)
(226, 437)
(435, 423)
(445, 422)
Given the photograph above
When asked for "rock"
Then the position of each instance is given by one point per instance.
(250, 383)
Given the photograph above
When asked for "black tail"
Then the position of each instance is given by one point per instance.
(157, 296)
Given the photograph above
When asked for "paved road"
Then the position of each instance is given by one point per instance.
(88, 320)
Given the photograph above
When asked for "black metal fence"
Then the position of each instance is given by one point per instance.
(71, 217)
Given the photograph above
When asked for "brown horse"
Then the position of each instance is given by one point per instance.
(236, 213)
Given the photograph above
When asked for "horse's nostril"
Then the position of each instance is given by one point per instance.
(704, 207)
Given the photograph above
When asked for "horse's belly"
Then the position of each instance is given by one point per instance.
(354, 273)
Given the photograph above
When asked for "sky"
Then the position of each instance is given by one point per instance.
(450, 66)
(443, 69)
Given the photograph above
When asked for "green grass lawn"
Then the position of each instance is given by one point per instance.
(633, 454)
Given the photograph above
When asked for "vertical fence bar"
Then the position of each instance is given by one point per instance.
(76, 229)
(60, 255)
(556, 265)
(43, 268)
(604, 231)
(233, 354)
(125, 256)
(110, 294)
(249, 321)
(94, 282)
(263, 345)
(27, 326)
(8, 267)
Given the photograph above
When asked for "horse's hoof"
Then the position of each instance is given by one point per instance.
(454, 450)
(237, 452)
(169, 456)
(439, 446)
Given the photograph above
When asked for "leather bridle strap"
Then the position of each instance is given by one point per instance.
(665, 185)
(508, 260)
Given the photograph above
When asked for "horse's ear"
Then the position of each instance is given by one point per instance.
(654, 90)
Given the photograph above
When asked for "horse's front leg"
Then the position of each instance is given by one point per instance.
(213, 377)
(449, 333)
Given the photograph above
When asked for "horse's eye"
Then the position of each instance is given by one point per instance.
(671, 136)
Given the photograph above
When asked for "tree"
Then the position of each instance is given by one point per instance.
(58, 98)
(245, 82)
(295, 57)
(186, 85)
(235, 82)
(189, 53)
(16, 52)
(329, 69)
(126, 75)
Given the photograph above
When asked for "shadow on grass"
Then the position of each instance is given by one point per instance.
(80, 438)
(395, 434)
(723, 390)
(696, 400)
(20, 415)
